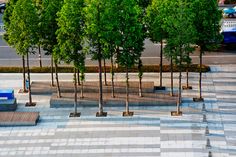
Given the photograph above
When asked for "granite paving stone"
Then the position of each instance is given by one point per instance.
(152, 131)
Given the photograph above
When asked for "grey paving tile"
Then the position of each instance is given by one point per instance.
(121, 146)
(58, 135)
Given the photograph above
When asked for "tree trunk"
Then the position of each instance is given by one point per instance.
(40, 58)
(82, 90)
(57, 80)
(127, 92)
(28, 72)
(105, 72)
(75, 94)
(82, 85)
(160, 68)
(78, 77)
(23, 62)
(171, 75)
(140, 75)
(200, 75)
(187, 84)
(52, 78)
(140, 87)
(179, 97)
(112, 78)
(100, 82)
(187, 75)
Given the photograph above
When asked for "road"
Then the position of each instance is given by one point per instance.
(150, 55)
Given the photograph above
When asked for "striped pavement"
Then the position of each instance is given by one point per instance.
(151, 132)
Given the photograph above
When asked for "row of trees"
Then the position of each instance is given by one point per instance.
(111, 29)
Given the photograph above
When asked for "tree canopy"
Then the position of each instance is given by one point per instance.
(131, 32)
(22, 28)
(181, 32)
(49, 24)
(70, 34)
(6, 17)
(207, 23)
(156, 15)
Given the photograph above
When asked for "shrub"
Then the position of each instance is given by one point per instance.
(94, 69)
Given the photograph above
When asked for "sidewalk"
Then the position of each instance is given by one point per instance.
(151, 132)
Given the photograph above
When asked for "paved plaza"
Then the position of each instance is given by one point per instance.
(151, 132)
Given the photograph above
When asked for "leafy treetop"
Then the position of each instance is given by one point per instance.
(22, 28)
(71, 32)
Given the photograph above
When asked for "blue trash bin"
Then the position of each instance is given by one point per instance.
(27, 84)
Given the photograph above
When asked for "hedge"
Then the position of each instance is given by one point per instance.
(94, 69)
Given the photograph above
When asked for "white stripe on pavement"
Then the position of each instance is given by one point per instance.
(99, 129)
(89, 141)
(87, 151)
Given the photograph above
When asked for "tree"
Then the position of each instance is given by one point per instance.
(131, 44)
(21, 32)
(95, 33)
(181, 35)
(40, 33)
(156, 14)
(207, 23)
(70, 39)
(112, 36)
(143, 4)
(6, 18)
(49, 26)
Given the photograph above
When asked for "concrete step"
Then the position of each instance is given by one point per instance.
(91, 100)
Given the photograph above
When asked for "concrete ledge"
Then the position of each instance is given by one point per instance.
(91, 100)
(18, 118)
(92, 86)
(42, 88)
(8, 105)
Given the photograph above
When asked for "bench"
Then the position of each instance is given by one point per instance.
(7, 100)
(7, 94)
(19, 118)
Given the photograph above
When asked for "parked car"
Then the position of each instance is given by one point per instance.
(2, 7)
(229, 12)
(228, 30)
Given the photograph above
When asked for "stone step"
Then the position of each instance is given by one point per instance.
(91, 100)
